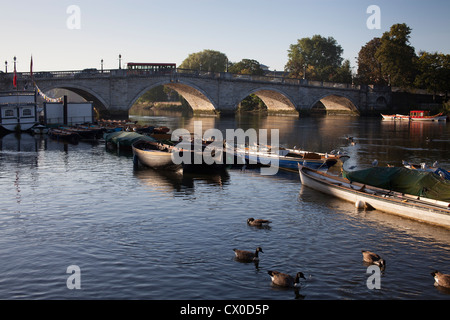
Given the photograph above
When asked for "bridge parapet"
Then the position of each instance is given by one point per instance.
(186, 73)
(118, 89)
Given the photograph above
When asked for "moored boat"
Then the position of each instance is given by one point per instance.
(123, 140)
(154, 155)
(424, 115)
(61, 134)
(424, 167)
(405, 205)
(394, 117)
(287, 159)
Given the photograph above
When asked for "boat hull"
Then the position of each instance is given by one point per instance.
(290, 163)
(431, 118)
(403, 205)
(155, 159)
(395, 117)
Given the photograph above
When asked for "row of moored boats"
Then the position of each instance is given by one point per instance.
(414, 191)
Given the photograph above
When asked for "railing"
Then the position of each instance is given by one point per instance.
(177, 73)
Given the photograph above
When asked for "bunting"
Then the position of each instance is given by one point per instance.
(47, 98)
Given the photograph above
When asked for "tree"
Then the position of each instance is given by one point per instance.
(206, 60)
(396, 56)
(343, 73)
(251, 67)
(247, 66)
(369, 68)
(433, 72)
(320, 57)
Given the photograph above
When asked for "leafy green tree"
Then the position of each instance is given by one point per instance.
(369, 68)
(396, 56)
(433, 72)
(251, 67)
(320, 57)
(343, 73)
(247, 66)
(206, 60)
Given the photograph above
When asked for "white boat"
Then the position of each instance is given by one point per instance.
(408, 206)
(154, 155)
(18, 110)
(394, 117)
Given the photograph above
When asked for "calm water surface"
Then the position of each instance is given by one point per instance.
(140, 234)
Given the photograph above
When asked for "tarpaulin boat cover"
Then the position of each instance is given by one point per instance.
(125, 138)
(400, 179)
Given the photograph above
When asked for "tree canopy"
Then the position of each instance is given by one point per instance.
(247, 66)
(396, 56)
(433, 72)
(369, 68)
(317, 58)
(392, 60)
(206, 60)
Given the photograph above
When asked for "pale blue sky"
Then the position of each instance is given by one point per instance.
(169, 30)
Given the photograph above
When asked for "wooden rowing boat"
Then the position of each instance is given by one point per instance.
(408, 206)
(154, 155)
(287, 159)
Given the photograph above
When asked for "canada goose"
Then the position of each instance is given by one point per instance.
(247, 255)
(258, 222)
(441, 279)
(285, 280)
(373, 258)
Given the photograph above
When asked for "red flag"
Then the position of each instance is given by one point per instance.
(15, 77)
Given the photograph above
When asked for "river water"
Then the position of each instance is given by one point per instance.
(140, 234)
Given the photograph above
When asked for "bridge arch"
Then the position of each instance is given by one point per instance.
(197, 98)
(87, 93)
(274, 99)
(337, 102)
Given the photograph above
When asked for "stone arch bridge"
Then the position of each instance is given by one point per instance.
(117, 90)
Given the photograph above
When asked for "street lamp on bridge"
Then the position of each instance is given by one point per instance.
(120, 61)
(6, 66)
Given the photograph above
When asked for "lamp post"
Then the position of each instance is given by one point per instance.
(6, 66)
(120, 61)
(101, 65)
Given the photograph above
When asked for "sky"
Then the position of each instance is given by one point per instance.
(59, 38)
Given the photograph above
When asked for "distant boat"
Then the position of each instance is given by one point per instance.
(395, 117)
(364, 195)
(424, 115)
(18, 110)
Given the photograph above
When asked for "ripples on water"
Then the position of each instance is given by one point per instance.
(139, 234)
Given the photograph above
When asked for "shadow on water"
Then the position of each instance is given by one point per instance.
(169, 181)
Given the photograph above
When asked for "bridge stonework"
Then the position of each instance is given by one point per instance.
(117, 91)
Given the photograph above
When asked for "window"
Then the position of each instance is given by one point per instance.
(26, 112)
(9, 113)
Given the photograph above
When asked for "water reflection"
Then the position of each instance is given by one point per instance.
(378, 219)
(169, 181)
